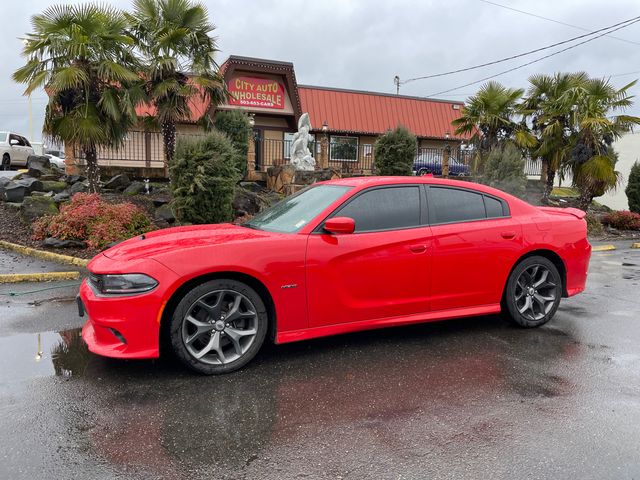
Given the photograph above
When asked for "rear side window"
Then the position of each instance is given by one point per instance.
(494, 207)
(384, 209)
(450, 205)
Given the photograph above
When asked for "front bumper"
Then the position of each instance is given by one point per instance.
(125, 326)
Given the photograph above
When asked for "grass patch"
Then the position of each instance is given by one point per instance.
(565, 192)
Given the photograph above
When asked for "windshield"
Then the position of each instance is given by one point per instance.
(293, 213)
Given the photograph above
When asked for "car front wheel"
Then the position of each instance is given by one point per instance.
(533, 292)
(6, 162)
(218, 327)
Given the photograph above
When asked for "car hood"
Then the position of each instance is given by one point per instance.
(171, 239)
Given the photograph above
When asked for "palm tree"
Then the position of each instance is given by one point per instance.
(490, 117)
(177, 49)
(83, 57)
(593, 159)
(550, 106)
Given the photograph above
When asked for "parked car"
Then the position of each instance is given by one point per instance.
(431, 163)
(14, 150)
(339, 256)
(55, 160)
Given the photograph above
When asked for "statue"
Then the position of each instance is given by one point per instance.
(301, 157)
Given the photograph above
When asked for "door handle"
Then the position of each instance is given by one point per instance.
(418, 248)
(508, 235)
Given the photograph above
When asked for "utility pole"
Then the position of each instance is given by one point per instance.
(396, 80)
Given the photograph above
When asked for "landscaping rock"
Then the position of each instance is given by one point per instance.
(246, 201)
(42, 194)
(119, 182)
(77, 188)
(165, 213)
(57, 187)
(31, 184)
(72, 179)
(61, 197)
(35, 207)
(134, 189)
(38, 165)
(4, 181)
(159, 201)
(50, 177)
(14, 193)
(13, 206)
(52, 242)
(251, 186)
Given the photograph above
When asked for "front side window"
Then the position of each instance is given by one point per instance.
(448, 205)
(294, 212)
(343, 149)
(384, 209)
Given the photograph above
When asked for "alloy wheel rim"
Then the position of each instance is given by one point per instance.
(535, 292)
(219, 327)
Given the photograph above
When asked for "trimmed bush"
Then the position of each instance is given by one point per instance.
(235, 125)
(504, 169)
(88, 218)
(622, 220)
(594, 225)
(395, 152)
(203, 177)
(633, 188)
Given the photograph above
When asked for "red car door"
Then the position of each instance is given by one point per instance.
(382, 269)
(475, 244)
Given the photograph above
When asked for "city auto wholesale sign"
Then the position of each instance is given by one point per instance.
(256, 92)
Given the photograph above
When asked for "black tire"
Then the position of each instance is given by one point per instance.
(200, 295)
(423, 171)
(6, 162)
(531, 300)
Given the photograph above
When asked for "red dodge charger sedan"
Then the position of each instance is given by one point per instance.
(339, 256)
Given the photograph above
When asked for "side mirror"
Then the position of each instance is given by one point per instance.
(340, 225)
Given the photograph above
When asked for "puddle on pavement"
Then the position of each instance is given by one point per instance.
(32, 355)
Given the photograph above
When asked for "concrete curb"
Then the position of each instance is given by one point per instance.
(44, 255)
(603, 248)
(38, 277)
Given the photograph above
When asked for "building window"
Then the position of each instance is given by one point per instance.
(343, 149)
(286, 146)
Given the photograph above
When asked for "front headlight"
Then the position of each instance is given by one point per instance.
(123, 284)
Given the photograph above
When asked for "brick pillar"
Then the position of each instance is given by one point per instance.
(70, 167)
(324, 152)
(445, 161)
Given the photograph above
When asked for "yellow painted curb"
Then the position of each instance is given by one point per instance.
(603, 248)
(44, 255)
(38, 277)
(635, 245)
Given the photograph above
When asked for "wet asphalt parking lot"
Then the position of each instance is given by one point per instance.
(471, 398)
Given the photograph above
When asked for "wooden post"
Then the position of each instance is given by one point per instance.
(445, 161)
(251, 157)
(147, 149)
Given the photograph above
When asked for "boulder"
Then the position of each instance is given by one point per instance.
(52, 242)
(49, 186)
(50, 177)
(72, 179)
(77, 188)
(4, 181)
(159, 201)
(42, 194)
(119, 182)
(165, 213)
(31, 184)
(12, 192)
(134, 189)
(251, 186)
(279, 176)
(35, 207)
(13, 206)
(246, 202)
(61, 197)
(38, 165)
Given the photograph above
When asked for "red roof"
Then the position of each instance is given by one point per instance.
(197, 108)
(349, 111)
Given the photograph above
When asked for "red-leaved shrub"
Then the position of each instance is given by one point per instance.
(622, 220)
(90, 219)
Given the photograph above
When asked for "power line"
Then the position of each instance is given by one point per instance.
(632, 20)
(553, 20)
(532, 61)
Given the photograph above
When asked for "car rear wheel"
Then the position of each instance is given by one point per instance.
(423, 171)
(533, 292)
(6, 162)
(218, 327)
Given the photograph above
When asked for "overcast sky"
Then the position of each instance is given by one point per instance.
(363, 44)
